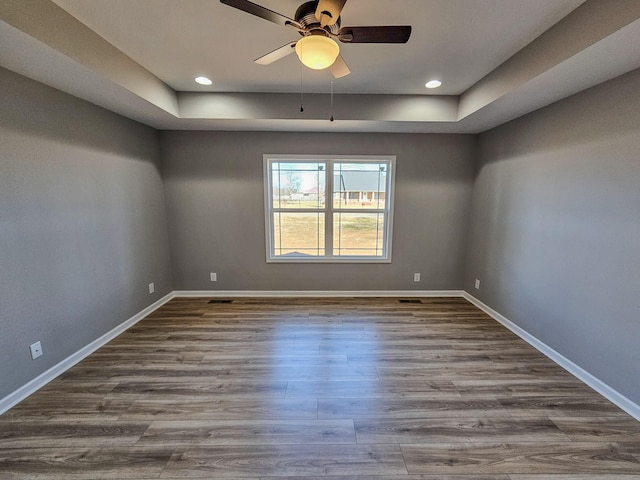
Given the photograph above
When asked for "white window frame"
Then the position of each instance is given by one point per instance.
(328, 210)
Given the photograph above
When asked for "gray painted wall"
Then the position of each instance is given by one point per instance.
(82, 225)
(554, 223)
(555, 231)
(214, 193)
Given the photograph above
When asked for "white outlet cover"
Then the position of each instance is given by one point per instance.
(152, 288)
(416, 277)
(214, 277)
(477, 284)
(36, 350)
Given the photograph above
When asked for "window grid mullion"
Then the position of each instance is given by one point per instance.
(378, 216)
(280, 203)
(328, 206)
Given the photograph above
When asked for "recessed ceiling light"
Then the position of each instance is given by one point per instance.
(203, 81)
(433, 84)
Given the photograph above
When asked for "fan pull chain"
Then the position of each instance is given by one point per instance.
(301, 87)
(331, 119)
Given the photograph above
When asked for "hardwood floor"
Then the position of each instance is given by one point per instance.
(318, 389)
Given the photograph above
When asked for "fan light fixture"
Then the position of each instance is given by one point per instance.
(317, 51)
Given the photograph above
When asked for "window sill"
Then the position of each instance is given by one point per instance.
(329, 260)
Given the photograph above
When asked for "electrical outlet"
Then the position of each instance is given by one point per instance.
(152, 288)
(477, 284)
(214, 277)
(416, 277)
(36, 350)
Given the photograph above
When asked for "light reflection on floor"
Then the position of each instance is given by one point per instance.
(314, 353)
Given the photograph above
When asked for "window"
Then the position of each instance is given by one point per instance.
(328, 209)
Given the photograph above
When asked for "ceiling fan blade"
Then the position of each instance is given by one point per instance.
(339, 68)
(381, 34)
(262, 12)
(328, 11)
(277, 54)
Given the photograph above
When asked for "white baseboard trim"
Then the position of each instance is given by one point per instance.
(41, 380)
(598, 385)
(318, 293)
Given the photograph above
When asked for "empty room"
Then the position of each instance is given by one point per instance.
(332, 239)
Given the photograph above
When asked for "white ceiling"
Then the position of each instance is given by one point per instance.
(497, 59)
(458, 41)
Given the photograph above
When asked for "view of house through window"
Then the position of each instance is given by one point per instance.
(328, 209)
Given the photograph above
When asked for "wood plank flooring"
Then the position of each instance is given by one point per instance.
(268, 389)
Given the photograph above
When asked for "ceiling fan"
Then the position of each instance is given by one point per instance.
(318, 22)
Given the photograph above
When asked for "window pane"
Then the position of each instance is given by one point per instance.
(358, 234)
(298, 185)
(354, 221)
(359, 185)
(298, 234)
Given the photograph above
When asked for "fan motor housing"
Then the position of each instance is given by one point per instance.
(306, 16)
